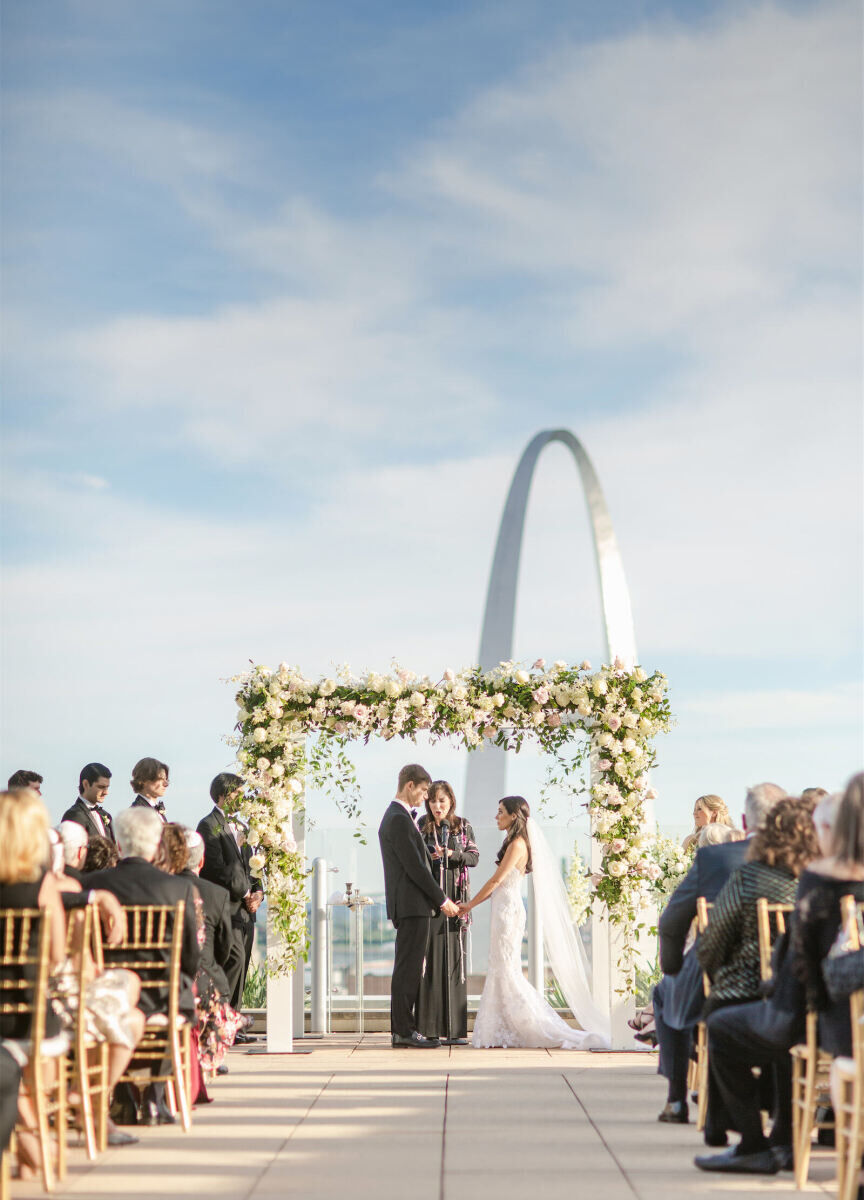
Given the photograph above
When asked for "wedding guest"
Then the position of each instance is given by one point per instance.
(93, 783)
(66, 882)
(100, 854)
(218, 1023)
(136, 880)
(150, 783)
(776, 855)
(27, 882)
(678, 997)
(761, 1034)
(74, 839)
(452, 850)
(25, 779)
(226, 862)
(708, 810)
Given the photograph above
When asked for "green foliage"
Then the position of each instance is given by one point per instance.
(255, 987)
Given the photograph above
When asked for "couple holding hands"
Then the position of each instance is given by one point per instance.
(426, 876)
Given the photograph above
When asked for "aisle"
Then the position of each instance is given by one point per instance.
(357, 1119)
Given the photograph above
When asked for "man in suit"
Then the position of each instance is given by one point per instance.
(150, 783)
(93, 784)
(413, 897)
(678, 996)
(31, 780)
(135, 880)
(226, 862)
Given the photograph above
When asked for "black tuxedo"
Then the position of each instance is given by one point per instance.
(227, 865)
(413, 897)
(678, 997)
(219, 952)
(142, 802)
(136, 881)
(80, 812)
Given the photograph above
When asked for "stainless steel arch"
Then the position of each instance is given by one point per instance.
(487, 771)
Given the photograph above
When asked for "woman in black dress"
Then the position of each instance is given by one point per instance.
(452, 851)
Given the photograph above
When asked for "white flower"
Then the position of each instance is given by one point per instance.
(629, 745)
(256, 863)
(259, 735)
(449, 674)
(417, 700)
(617, 868)
(294, 785)
(585, 665)
(460, 693)
(559, 665)
(522, 677)
(630, 720)
(541, 695)
(499, 699)
(598, 685)
(277, 770)
(263, 764)
(639, 675)
(328, 687)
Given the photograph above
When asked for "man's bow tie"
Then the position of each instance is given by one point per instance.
(414, 812)
(159, 806)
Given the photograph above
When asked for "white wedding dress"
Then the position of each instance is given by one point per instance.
(511, 1011)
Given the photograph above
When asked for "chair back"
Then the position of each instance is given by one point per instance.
(703, 907)
(766, 915)
(151, 948)
(24, 968)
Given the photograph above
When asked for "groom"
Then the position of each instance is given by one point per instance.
(413, 897)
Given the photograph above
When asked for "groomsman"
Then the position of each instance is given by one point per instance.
(226, 862)
(93, 784)
(150, 783)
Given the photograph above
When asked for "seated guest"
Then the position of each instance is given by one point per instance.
(65, 882)
(708, 810)
(678, 997)
(93, 783)
(25, 881)
(728, 950)
(150, 783)
(74, 839)
(100, 854)
(28, 780)
(823, 884)
(135, 880)
(760, 1034)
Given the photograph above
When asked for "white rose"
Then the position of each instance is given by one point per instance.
(630, 720)
(263, 764)
(277, 770)
(256, 863)
(559, 665)
(328, 687)
(629, 745)
(460, 693)
(294, 785)
(260, 735)
(583, 708)
(617, 868)
(486, 704)
(522, 677)
(598, 686)
(499, 699)
(417, 700)
(639, 675)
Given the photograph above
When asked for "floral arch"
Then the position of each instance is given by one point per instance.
(620, 710)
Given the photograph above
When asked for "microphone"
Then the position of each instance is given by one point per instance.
(445, 834)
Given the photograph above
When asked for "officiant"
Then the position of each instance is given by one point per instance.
(453, 852)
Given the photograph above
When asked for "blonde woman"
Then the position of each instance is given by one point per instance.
(708, 810)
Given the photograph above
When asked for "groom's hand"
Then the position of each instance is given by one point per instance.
(449, 909)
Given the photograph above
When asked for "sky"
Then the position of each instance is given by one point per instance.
(287, 289)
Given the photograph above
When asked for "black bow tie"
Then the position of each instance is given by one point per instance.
(159, 806)
(414, 812)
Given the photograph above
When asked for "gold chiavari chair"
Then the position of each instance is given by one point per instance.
(848, 1076)
(89, 1053)
(24, 974)
(703, 907)
(764, 913)
(151, 929)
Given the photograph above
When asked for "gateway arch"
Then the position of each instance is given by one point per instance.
(486, 779)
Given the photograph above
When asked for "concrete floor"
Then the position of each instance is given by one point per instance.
(355, 1118)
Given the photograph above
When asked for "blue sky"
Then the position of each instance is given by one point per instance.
(287, 289)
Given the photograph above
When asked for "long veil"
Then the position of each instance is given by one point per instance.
(564, 948)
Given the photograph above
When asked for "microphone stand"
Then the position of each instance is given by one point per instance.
(445, 838)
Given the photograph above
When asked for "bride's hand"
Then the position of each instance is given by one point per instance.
(464, 909)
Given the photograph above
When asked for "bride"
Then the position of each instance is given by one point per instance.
(512, 1012)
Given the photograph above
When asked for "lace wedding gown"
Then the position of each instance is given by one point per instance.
(511, 1011)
